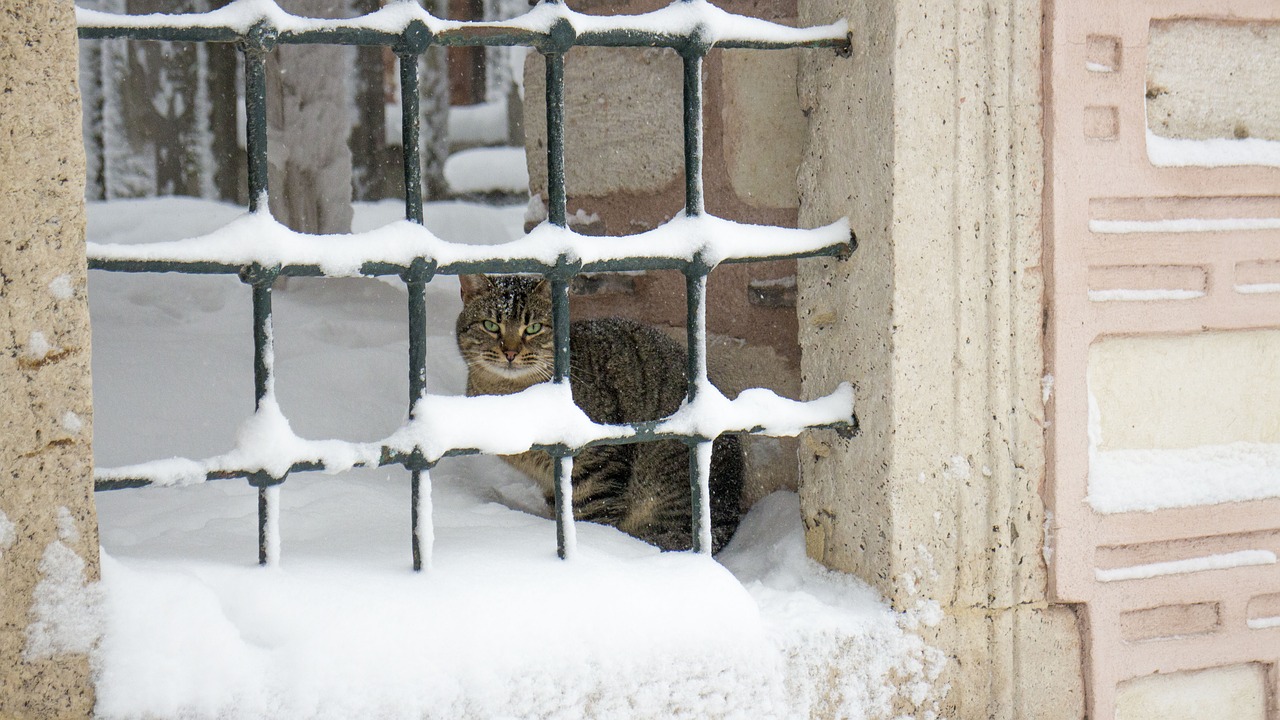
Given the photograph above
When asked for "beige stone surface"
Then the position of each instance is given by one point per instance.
(46, 414)
(929, 140)
(623, 131)
(763, 126)
(1182, 391)
(1213, 79)
(1238, 692)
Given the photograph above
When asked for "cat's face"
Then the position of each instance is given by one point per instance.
(505, 327)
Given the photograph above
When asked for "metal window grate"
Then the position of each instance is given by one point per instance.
(692, 243)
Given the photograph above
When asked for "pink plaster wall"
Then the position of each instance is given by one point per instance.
(1097, 162)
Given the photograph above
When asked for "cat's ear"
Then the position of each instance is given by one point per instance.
(542, 287)
(473, 285)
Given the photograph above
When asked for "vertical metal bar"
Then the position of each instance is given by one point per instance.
(411, 124)
(262, 341)
(421, 526)
(269, 525)
(255, 106)
(695, 283)
(566, 533)
(696, 369)
(563, 488)
(560, 327)
(700, 491)
(254, 49)
(557, 212)
(693, 190)
(263, 382)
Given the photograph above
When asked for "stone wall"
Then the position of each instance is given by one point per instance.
(48, 529)
(929, 139)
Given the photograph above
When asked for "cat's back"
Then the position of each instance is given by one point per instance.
(625, 371)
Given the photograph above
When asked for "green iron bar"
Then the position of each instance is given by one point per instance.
(410, 123)
(416, 284)
(255, 47)
(414, 41)
(696, 289)
(560, 275)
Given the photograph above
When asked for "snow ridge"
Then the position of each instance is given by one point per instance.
(540, 416)
(673, 24)
(257, 237)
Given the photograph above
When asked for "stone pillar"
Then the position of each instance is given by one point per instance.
(929, 140)
(48, 529)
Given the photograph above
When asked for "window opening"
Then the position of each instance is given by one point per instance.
(260, 250)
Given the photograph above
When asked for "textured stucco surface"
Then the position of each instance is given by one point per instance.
(1182, 391)
(1213, 79)
(1238, 692)
(929, 139)
(46, 413)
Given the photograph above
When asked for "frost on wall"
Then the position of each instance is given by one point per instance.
(66, 609)
(7, 533)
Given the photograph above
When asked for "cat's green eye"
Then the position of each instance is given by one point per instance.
(533, 329)
(491, 326)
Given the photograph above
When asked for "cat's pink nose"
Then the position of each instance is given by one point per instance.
(511, 355)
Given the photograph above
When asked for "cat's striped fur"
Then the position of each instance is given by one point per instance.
(621, 371)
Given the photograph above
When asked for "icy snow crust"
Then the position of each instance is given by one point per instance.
(498, 626)
(674, 23)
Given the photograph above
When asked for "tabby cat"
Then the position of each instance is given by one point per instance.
(621, 371)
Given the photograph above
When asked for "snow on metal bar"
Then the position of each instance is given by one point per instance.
(547, 24)
(257, 238)
(453, 425)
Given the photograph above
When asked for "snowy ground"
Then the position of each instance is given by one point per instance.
(343, 628)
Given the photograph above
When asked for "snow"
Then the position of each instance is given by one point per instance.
(60, 287)
(1144, 295)
(259, 238)
(38, 347)
(1241, 558)
(677, 19)
(65, 612)
(479, 124)
(1182, 225)
(342, 627)
(1146, 480)
(489, 169)
(1264, 623)
(565, 483)
(1212, 152)
(7, 532)
(1258, 288)
(271, 529)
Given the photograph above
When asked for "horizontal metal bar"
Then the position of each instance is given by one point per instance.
(559, 37)
(644, 432)
(499, 266)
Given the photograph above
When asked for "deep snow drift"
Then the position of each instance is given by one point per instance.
(342, 627)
